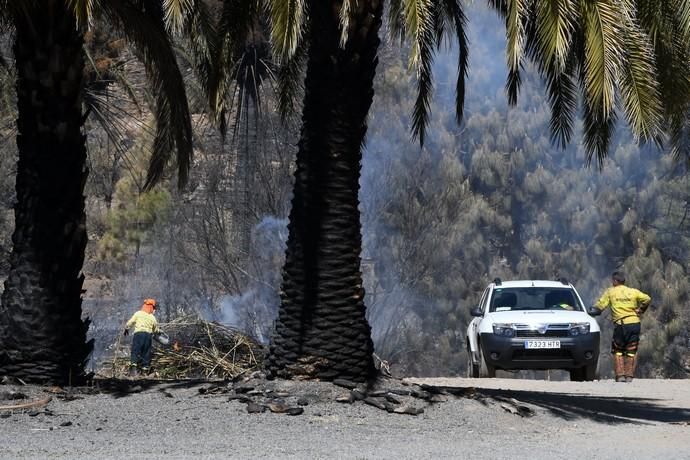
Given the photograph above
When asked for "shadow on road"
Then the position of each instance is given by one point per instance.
(611, 410)
(120, 388)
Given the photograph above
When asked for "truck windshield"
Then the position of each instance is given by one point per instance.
(534, 298)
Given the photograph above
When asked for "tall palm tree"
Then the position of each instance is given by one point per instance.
(613, 50)
(42, 335)
(322, 331)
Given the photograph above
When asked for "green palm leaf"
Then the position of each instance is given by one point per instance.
(603, 43)
(516, 15)
(638, 87)
(288, 21)
(419, 23)
(555, 24)
(667, 24)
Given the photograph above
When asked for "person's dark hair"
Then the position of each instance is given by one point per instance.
(619, 277)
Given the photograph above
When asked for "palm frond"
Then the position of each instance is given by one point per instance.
(560, 77)
(682, 9)
(516, 17)
(396, 20)
(603, 44)
(562, 93)
(453, 10)
(656, 18)
(513, 83)
(176, 13)
(441, 22)
(143, 24)
(289, 82)
(243, 61)
(214, 68)
(419, 24)
(84, 11)
(200, 33)
(345, 20)
(555, 22)
(598, 129)
(666, 23)
(638, 85)
(501, 7)
(115, 121)
(680, 140)
(288, 21)
(517, 10)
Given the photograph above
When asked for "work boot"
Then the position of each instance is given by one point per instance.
(629, 368)
(619, 367)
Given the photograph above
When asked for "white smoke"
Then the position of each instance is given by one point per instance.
(254, 310)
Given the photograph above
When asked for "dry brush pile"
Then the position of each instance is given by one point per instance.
(197, 349)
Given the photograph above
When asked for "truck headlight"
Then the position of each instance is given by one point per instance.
(504, 330)
(579, 328)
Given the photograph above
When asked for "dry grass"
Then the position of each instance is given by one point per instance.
(197, 349)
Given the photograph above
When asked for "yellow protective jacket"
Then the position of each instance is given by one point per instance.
(624, 302)
(143, 322)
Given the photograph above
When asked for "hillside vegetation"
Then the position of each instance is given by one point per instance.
(492, 198)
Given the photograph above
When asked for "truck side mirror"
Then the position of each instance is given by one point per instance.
(476, 311)
(593, 311)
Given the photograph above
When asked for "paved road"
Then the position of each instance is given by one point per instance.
(651, 400)
(647, 419)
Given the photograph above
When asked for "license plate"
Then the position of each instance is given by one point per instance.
(542, 344)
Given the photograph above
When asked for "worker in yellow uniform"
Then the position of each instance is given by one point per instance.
(145, 325)
(627, 306)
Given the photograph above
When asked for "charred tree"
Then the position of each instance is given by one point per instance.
(42, 335)
(322, 331)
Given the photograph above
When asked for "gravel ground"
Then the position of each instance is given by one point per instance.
(644, 419)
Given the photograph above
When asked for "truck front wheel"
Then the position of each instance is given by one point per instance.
(472, 368)
(485, 369)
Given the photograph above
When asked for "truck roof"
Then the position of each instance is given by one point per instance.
(532, 283)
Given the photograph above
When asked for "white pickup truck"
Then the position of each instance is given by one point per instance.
(532, 325)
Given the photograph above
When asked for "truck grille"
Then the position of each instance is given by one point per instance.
(552, 330)
(548, 333)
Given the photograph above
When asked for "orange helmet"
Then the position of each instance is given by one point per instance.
(149, 305)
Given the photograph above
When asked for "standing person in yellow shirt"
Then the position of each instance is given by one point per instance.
(145, 325)
(627, 306)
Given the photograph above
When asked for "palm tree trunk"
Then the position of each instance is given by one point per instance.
(322, 331)
(42, 336)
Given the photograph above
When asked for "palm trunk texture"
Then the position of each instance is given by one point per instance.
(322, 331)
(42, 335)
